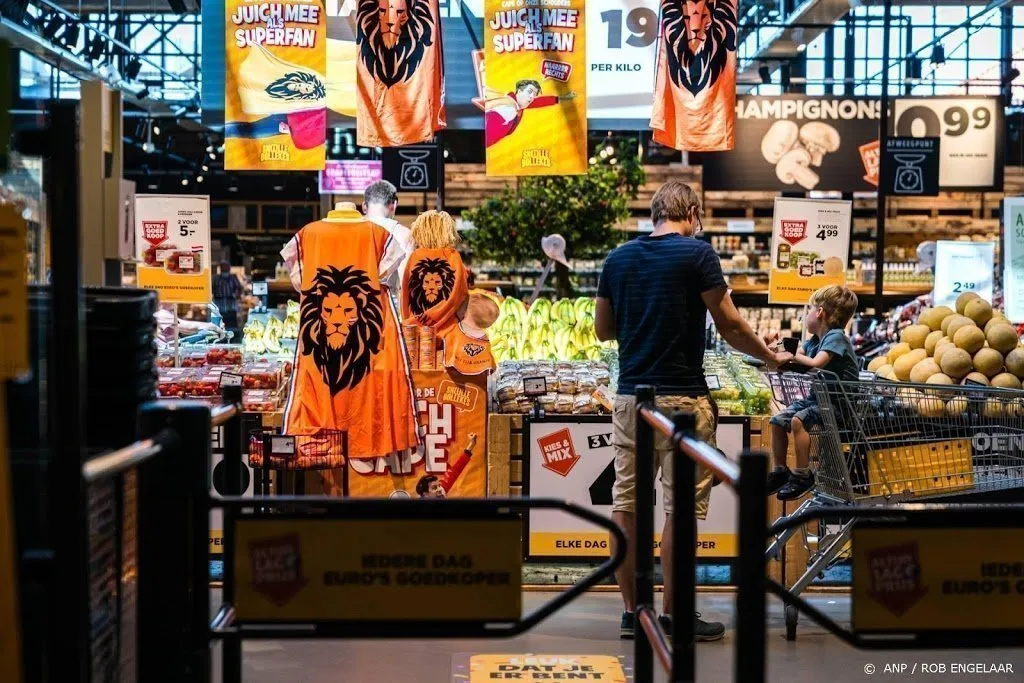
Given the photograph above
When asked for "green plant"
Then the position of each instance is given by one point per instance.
(584, 209)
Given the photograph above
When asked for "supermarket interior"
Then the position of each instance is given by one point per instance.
(299, 377)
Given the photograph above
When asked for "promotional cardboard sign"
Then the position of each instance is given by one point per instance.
(1013, 258)
(275, 86)
(452, 408)
(172, 246)
(301, 570)
(14, 358)
(907, 580)
(574, 460)
(810, 246)
(535, 96)
(963, 267)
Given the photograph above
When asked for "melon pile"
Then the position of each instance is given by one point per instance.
(949, 347)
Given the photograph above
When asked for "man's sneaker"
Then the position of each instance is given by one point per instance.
(798, 485)
(627, 625)
(705, 631)
(666, 625)
(777, 478)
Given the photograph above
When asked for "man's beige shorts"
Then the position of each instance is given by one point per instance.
(624, 434)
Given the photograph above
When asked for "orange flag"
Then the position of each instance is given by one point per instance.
(695, 87)
(351, 368)
(400, 72)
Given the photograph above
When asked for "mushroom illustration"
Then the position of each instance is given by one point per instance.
(794, 167)
(819, 139)
(779, 139)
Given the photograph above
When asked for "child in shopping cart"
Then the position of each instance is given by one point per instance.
(828, 313)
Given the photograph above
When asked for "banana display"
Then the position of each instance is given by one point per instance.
(259, 337)
(559, 330)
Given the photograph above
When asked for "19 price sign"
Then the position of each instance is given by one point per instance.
(969, 129)
(621, 43)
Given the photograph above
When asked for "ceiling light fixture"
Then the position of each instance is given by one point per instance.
(938, 55)
(765, 73)
(132, 69)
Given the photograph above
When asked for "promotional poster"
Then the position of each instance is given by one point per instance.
(530, 668)
(341, 63)
(275, 115)
(964, 267)
(810, 246)
(452, 410)
(1013, 259)
(574, 460)
(535, 94)
(695, 86)
(797, 144)
(399, 72)
(172, 246)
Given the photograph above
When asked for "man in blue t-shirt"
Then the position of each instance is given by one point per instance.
(653, 298)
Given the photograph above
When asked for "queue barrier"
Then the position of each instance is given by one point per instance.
(294, 566)
(971, 550)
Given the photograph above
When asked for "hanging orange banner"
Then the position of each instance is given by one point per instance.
(695, 86)
(535, 95)
(452, 410)
(275, 99)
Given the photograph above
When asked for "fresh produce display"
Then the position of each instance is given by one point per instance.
(570, 386)
(560, 330)
(224, 354)
(175, 382)
(262, 375)
(973, 344)
(260, 400)
(743, 390)
(290, 329)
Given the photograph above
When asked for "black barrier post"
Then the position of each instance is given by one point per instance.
(643, 534)
(684, 555)
(751, 584)
(173, 544)
(232, 435)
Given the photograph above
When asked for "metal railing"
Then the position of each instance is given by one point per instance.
(676, 653)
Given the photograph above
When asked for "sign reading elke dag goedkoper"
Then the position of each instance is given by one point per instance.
(316, 570)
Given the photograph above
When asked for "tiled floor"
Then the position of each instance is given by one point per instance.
(590, 626)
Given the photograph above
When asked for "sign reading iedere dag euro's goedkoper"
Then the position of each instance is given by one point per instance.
(311, 570)
(535, 99)
(275, 89)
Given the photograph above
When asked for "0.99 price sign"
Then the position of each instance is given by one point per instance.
(970, 132)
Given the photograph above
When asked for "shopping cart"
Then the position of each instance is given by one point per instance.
(886, 443)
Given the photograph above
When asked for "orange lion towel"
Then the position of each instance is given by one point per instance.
(399, 72)
(351, 368)
(695, 87)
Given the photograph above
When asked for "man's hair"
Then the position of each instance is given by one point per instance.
(525, 82)
(381, 192)
(839, 304)
(674, 201)
(225, 267)
(423, 485)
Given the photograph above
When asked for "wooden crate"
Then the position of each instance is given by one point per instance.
(504, 455)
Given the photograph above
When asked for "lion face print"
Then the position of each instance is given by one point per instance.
(430, 282)
(341, 323)
(393, 36)
(699, 34)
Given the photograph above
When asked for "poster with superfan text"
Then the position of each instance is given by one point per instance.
(535, 87)
(275, 85)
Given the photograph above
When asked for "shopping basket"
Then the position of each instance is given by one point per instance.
(887, 443)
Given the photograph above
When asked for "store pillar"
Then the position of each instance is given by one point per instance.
(101, 167)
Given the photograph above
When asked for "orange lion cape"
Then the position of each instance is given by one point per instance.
(351, 368)
(399, 72)
(435, 293)
(695, 87)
